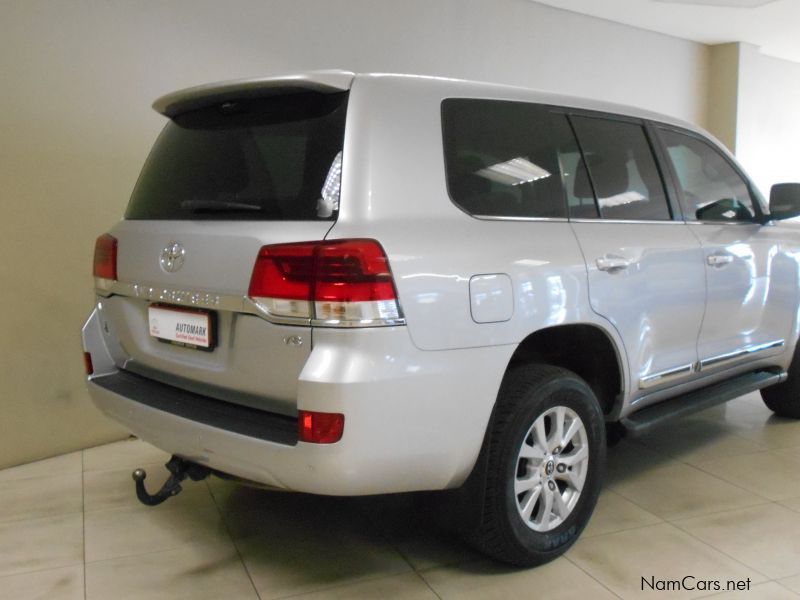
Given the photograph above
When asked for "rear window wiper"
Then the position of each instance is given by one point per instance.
(219, 206)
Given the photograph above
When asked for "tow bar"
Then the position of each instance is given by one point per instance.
(180, 469)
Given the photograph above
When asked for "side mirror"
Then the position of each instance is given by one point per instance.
(725, 209)
(784, 201)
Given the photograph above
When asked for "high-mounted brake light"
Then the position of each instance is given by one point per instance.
(320, 427)
(105, 257)
(336, 283)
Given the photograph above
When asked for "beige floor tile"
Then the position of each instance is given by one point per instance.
(54, 584)
(40, 497)
(66, 464)
(792, 503)
(615, 513)
(678, 491)
(213, 572)
(235, 497)
(39, 544)
(297, 543)
(767, 474)
(761, 591)
(400, 520)
(411, 523)
(408, 586)
(125, 454)
(627, 460)
(793, 453)
(620, 560)
(764, 428)
(125, 532)
(485, 580)
(425, 547)
(766, 538)
(698, 439)
(792, 583)
(281, 566)
(104, 490)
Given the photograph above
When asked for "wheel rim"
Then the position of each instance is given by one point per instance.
(551, 468)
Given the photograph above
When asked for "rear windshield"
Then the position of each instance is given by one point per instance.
(264, 159)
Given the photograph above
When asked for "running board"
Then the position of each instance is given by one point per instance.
(647, 419)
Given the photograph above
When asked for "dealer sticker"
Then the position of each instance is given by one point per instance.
(180, 326)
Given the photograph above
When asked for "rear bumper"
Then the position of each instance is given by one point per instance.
(414, 420)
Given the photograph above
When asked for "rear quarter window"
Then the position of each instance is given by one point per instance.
(502, 158)
(261, 159)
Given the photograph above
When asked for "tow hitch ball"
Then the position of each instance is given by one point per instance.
(179, 470)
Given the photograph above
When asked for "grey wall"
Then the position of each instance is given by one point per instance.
(75, 125)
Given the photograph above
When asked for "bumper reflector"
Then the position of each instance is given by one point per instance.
(319, 427)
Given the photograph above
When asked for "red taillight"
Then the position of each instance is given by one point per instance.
(87, 363)
(339, 281)
(284, 271)
(352, 271)
(319, 427)
(105, 257)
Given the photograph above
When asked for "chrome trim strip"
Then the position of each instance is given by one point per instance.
(502, 218)
(721, 223)
(226, 302)
(665, 376)
(720, 359)
(351, 324)
(628, 221)
(160, 293)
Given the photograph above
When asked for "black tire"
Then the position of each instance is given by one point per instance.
(784, 398)
(527, 393)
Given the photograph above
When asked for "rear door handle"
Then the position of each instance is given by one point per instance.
(719, 260)
(612, 262)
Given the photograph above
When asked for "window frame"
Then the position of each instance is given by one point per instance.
(667, 184)
(658, 127)
(666, 170)
(550, 109)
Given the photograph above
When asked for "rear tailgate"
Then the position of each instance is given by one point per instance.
(222, 181)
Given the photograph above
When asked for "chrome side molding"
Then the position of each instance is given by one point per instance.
(728, 357)
(665, 376)
(670, 375)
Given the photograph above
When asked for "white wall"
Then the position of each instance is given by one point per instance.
(768, 118)
(77, 80)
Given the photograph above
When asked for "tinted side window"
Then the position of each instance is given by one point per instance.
(501, 158)
(580, 196)
(712, 189)
(623, 170)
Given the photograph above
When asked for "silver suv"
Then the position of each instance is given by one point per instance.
(363, 284)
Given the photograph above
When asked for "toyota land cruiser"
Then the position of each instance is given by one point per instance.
(361, 284)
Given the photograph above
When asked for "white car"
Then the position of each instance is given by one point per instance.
(363, 284)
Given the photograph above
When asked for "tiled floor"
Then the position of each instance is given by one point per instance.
(716, 496)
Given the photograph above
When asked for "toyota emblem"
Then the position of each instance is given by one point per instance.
(172, 257)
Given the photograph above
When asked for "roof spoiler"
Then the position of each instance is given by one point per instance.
(325, 82)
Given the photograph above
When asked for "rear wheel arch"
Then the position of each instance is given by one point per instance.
(585, 349)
